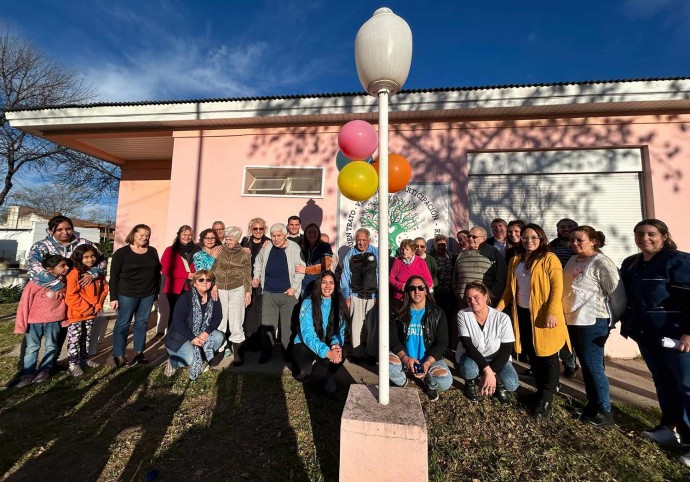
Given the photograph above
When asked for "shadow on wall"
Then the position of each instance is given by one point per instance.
(438, 151)
(311, 213)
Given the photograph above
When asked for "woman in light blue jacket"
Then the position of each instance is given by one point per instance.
(321, 332)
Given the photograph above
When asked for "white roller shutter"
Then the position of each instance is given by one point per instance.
(609, 201)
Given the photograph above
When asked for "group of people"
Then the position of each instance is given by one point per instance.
(514, 294)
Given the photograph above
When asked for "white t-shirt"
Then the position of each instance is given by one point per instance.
(522, 279)
(497, 329)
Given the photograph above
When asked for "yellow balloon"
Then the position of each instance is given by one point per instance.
(358, 181)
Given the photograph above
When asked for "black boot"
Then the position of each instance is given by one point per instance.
(237, 349)
(266, 345)
(471, 389)
(501, 394)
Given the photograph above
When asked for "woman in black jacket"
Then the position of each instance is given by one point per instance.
(657, 285)
(193, 337)
(418, 337)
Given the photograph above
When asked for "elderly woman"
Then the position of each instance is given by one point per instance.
(252, 243)
(207, 255)
(404, 266)
(233, 273)
(193, 337)
(420, 251)
(317, 254)
(134, 285)
(418, 337)
(535, 290)
(486, 342)
(656, 282)
(593, 300)
(177, 265)
(321, 337)
(275, 271)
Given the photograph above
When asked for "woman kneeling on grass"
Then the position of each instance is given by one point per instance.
(321, 332)
(486, 342)
(193, 336)
(418, 337)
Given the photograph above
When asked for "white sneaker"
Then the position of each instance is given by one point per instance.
(75, 370)
(92, 364)
(685, 459)
(663, 436)
(169, 369)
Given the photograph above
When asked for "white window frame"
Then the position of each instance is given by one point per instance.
(285, 190)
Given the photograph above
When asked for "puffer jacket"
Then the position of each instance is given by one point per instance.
(658, 296)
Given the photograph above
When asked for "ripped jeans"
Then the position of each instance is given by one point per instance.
(437, 378)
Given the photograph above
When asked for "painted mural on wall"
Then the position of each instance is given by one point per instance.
(421, 209)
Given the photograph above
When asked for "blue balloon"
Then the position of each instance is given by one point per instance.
(341, 160)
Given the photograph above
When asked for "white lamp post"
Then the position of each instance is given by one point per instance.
(383, 53)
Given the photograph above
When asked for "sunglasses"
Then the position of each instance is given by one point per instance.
(414, 288)
(257, 229)
(472, 236)
(206, 280)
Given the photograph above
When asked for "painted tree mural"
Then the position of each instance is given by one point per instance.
(403, 216)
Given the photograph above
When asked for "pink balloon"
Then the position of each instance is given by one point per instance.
(358, 140)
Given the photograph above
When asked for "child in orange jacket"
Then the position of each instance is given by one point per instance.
(83, 301)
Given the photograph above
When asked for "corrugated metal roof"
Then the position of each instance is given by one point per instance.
(345, 94)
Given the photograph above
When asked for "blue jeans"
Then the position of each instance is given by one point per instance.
(671, 373)
(140, 308)
(506, 376)
(50, 332)
(588, 342)
(437, 378)
(185, 355)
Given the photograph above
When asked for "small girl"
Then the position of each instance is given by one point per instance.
(83, 304)
(39, 315)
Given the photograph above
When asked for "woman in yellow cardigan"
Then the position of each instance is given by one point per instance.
(534, 289)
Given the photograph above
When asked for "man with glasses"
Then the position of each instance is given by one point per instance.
(561, 248)
(480, 262)
(219, 229)
(359, 287)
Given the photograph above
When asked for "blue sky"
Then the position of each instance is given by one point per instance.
(171, 49)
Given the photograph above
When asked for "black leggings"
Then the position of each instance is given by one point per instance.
(303, 363)
(546, 368)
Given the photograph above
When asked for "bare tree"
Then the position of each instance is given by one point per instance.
(29, 80)
(49, 198)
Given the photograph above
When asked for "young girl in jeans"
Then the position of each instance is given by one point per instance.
(83, 304)
(39, 315)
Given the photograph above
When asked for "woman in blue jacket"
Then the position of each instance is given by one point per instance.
(657, 285)
(321, 333)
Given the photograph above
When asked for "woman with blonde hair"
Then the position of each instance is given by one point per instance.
(534, 288)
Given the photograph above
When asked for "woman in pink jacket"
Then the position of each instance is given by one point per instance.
(404, 266)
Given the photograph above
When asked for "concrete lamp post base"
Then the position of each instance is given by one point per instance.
(383, 442)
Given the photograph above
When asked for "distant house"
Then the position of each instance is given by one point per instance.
(23, 226)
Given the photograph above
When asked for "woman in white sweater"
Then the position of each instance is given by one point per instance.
(593, 301)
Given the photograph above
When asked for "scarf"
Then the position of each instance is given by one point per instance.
(187, 251)
(407, 262)
(200, 321)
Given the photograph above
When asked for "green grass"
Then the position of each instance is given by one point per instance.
(122, 425)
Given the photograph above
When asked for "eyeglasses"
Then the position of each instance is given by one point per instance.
(414, 288)
(420, 246)
(473, 236)
(213, 238)
(531, 238)
(257, 229)
(206, 280)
